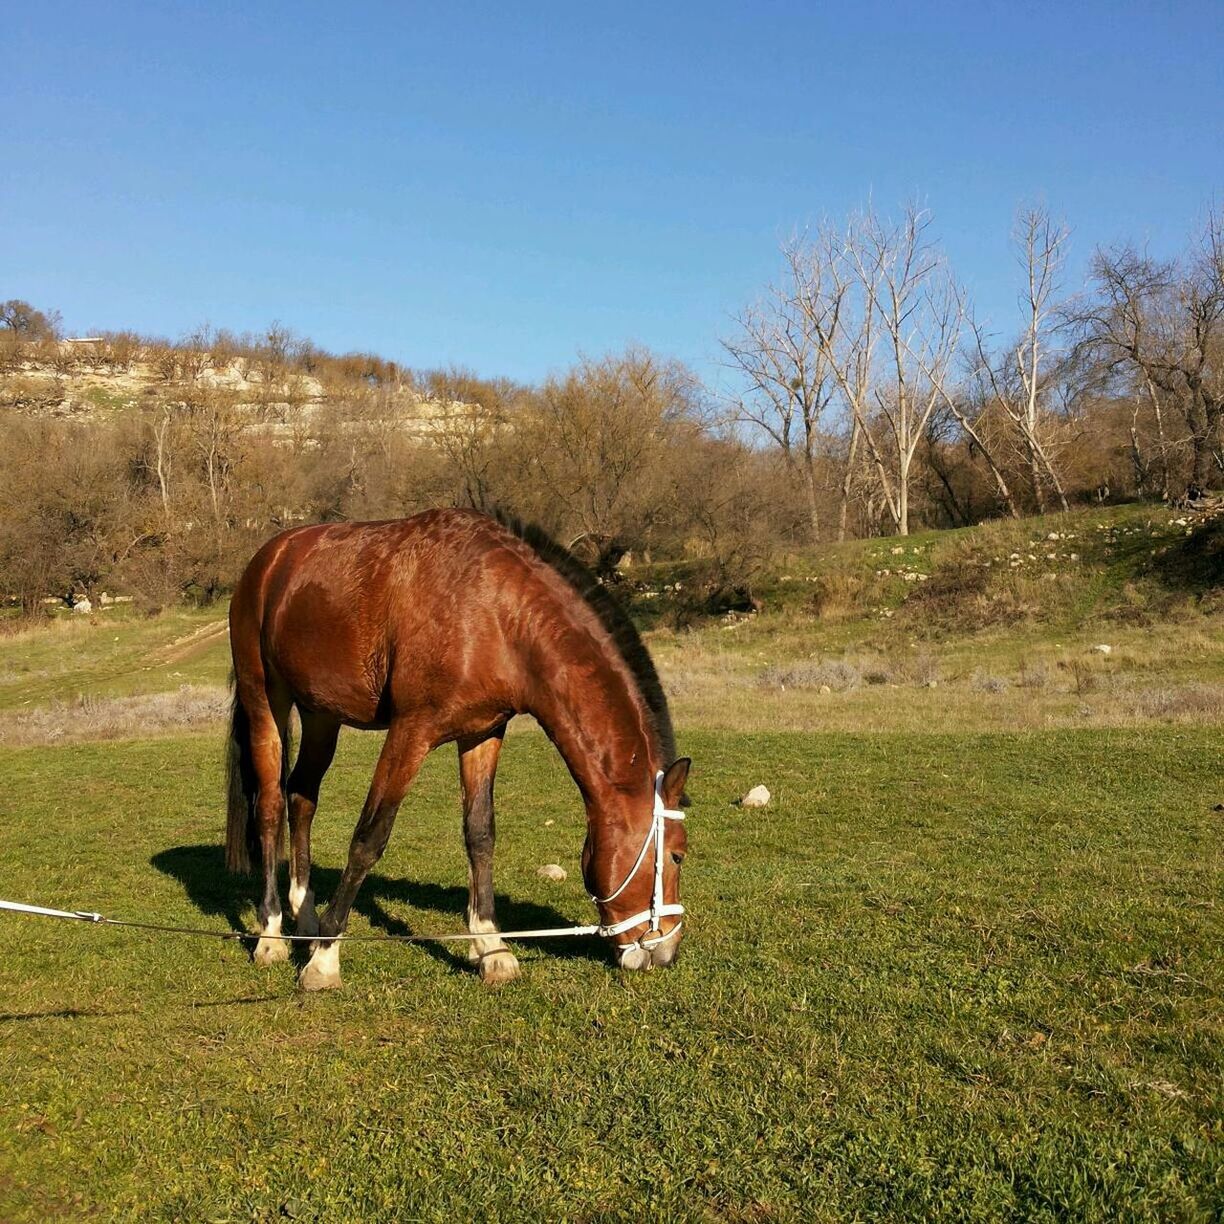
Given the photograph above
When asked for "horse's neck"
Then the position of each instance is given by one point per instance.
(595, 716)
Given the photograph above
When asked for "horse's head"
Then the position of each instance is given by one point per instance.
(631, 865)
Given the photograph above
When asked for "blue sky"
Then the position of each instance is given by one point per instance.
(503, 186)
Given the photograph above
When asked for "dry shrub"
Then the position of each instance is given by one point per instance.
(32, 392)
(921, 669)
(1190, 701)
(837, 674)
(1083, 675)
(983, 682)
(837, 596)
(1033, 675)
(103, 718)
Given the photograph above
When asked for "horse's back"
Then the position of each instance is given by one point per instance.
(356, 619)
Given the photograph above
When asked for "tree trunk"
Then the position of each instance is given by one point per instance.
(1035, 475)
(1141, 466)
(843, 510)
(902, 512)
(160, 434)
(809, 482)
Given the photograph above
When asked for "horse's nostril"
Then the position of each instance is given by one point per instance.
(636, 958)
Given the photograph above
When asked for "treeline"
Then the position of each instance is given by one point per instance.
(866, 399)
(891, 403)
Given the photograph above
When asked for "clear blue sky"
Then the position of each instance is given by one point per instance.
(506, 185)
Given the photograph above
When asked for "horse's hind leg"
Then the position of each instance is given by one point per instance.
(318, 747)
(269, 721)
(477, 766)
(401, 757)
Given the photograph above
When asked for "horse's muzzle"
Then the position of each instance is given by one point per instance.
(657, 955)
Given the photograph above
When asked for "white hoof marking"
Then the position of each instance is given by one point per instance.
(322, 971)
(499, 967)
(495, 961)
(271, 951)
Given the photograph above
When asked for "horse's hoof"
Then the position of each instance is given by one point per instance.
(271, 952)
(322, 971)
(316, 979)
(497, 968)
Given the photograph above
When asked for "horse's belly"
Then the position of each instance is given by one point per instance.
(326, 664)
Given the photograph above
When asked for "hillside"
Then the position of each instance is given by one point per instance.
(1109, 616)
(93, 380)
(994, 627)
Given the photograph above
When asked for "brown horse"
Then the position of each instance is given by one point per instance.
(436, 628)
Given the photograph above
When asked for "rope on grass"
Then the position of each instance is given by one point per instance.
(41, 911)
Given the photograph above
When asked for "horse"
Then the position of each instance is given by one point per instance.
(441, 628)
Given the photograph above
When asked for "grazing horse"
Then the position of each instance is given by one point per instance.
(441, 628)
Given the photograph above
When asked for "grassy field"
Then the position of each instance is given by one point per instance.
(968, 964)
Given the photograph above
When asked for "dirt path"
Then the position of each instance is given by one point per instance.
(184, 648)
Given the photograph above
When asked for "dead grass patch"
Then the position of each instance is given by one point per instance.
(190, 708)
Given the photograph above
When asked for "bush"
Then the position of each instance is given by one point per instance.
(837, 674)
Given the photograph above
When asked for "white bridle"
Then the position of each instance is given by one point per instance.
(657, 910)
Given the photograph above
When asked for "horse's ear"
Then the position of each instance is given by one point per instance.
(674, 778)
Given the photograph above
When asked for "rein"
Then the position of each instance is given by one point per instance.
(657, 910)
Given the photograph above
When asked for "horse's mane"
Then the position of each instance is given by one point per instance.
(612, 616)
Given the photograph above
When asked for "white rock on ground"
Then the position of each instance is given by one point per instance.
(551, 871)
(1102, 649)
(757, 797)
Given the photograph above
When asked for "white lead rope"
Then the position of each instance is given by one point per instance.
(42, 911)
(657, 909)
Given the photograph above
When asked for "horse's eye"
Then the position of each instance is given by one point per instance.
(677, 857)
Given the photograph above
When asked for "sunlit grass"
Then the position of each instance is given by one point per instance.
(941, 976)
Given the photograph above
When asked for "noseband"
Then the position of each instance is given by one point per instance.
(657, 908)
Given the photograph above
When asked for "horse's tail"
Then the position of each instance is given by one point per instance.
(241, 835)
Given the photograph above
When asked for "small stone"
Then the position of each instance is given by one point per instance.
(1102, 649)
(932, 684)
(552, 871)
(824, 688)
(548, 824)
(757, 797)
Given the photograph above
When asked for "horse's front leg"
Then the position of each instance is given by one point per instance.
(477, 766)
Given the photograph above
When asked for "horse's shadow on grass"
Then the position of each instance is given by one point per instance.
(215, 891)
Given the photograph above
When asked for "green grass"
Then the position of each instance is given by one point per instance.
(1117, 565)
(976, 974)
(942, 976)
(115, 652)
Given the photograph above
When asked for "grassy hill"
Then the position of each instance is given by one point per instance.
(990, 627)
(964, 966)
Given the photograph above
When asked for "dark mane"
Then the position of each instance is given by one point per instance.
(614, 619)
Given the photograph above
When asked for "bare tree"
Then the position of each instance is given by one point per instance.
(595, 450)
(1162, 325)
(887, 314)
(1016, 380)
(785, 367)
